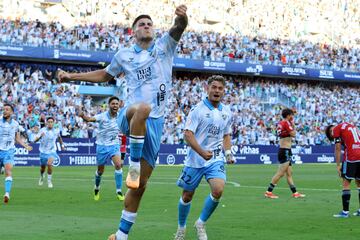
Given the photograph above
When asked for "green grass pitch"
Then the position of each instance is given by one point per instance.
(68, 211)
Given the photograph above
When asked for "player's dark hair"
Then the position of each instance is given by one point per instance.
(9, 105)
(112, 99)
(286, 112)
(328, 133)
(140, 17)
(216, 78)
(50, 117)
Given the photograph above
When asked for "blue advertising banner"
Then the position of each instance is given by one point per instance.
(183, 63)
(82, 152)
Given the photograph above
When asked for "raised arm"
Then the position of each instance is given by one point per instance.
(87, 118)
(97, 76)
(181, 21)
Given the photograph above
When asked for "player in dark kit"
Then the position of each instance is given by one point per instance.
(348, 136)
(286, 131)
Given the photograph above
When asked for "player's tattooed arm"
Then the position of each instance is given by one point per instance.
(181, 21)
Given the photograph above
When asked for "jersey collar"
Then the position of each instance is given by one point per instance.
(4, 120)
(109, 115)
(138, 49)
(210, 106)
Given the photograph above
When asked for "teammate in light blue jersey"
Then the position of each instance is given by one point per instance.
(47, 137)
(107, 145)
(9, 133)
(147, 66)
(208, 132)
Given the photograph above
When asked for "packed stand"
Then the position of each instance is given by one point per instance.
(35, 94)
(274, 33)
(257, 105)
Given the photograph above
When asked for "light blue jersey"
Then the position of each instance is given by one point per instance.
(147, 73)
(108, 131)
(8, 131)
(48, 141)
(209, 126)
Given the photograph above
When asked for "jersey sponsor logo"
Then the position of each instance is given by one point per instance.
(356, 146)
(144, 74)
(161, 94)
(214, 130)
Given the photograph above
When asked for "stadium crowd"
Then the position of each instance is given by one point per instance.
(256, 104)
(264, 40)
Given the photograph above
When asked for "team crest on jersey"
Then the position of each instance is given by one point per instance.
(224, 116)
(207, 115)
(131, 60)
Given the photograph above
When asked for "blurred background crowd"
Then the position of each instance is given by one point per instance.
(322, 34)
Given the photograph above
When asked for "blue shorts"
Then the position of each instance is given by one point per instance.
(154, 128)
(44, 157)
(105, 153)
(7, 156)
(190, 178)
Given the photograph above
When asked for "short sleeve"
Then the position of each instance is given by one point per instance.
(167, 44)
(228, 127)
(99, 117)
(336, 132)
(115, 68)
(288, 127)
(192, 121)
(42, 130)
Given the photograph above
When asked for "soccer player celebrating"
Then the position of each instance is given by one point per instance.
(147, 66)
(348, 136)
(48, 155)
(208, 132)
(107, 145)
(286, 131)
(9, 133)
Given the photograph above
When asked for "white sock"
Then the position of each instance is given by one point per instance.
(49, 177)
(121, 236)
(134, 164)
(199, 221)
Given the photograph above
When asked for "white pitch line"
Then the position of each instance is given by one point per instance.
(234, 184)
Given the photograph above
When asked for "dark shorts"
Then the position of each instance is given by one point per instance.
(284, 155)
(350, 170)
